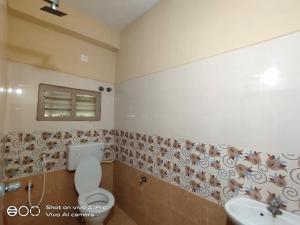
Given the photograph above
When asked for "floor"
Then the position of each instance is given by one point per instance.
(119, 217)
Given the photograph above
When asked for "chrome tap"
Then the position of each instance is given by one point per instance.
(143, 179)
(14, 186)
(274, 206)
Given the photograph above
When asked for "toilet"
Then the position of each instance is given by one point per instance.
(94, 203)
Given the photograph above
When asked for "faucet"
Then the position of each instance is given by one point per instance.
(143, 179)
(274, 207)
(14, 186)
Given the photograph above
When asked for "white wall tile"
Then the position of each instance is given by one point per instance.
(21, 109)
(248, 98)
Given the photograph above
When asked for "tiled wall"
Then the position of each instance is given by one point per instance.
(21, 107)
(216, 172)
(247, 98)
(63, 194)
(213, 171)
(23, 150)
(160, 203)
(214, 129)
(3, 62)
(26, 139)
(207, 102)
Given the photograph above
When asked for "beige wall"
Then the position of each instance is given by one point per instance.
(2, 63)
(42, 46)
(2, 93)
(176, 32)
(75, 22)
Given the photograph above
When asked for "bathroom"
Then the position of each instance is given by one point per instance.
(139, 112)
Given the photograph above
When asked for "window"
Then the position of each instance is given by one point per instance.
(57, 103)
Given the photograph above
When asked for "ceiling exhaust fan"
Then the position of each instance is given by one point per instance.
(54, 4)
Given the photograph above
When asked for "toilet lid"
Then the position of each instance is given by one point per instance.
(88, 175)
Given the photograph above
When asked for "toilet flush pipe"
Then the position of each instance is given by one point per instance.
(44, 184)
(113, 158)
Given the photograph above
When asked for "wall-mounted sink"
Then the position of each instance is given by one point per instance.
(245, 211)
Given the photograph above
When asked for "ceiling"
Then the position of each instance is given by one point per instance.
(114, 13)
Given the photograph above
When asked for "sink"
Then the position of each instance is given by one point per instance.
(245, 211)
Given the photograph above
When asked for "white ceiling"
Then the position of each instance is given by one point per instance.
(114, 13)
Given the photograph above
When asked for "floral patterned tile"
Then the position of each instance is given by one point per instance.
(216, 172)
(23, 151)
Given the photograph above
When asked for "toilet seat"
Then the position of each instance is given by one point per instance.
(92, 199)
(96, 201)
(87, 175)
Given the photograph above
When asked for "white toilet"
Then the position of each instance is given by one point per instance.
(94, 202)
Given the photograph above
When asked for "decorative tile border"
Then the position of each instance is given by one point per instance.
(215, 172)
(23, 150)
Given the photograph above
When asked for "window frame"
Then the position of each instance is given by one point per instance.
(73, 91)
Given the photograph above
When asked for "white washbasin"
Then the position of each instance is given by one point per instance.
(245, 211)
